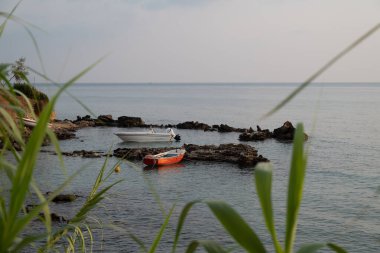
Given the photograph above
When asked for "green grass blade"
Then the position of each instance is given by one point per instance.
(8, 16)
(13, 131)
(131, 235)
(25, 242)
(209, 246)
(311, 248)
(181, 221)
(55, 142)
(236, 227)
(36, 47)
(314, 247)
(336, 248)
(23, 175)
(295, 187)
(24, 221)
(161, 232)
(322, 70)
(263, 179)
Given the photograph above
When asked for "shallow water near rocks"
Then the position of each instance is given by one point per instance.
(341, 199)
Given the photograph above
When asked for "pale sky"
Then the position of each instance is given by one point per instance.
(195, 40)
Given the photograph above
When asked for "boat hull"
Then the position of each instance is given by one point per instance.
(167, 158)
(145, 137)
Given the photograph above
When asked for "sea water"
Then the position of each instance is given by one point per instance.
(341, 201)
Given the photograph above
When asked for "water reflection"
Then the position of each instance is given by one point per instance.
(165, 168)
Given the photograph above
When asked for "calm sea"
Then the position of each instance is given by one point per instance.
(341, 201)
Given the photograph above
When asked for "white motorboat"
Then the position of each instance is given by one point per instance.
(31, 122)
(149, 136)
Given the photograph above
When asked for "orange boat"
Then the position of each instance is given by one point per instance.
(166, 158)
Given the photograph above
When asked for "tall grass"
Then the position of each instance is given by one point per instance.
(14, 218)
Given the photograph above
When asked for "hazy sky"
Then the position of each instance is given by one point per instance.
(196, 41)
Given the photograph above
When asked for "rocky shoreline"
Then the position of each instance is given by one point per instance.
(65, 129)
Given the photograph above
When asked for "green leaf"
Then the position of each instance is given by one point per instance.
(295, 187)
(161, 232)
(263, 178)
(336, 248)
(209, 246)
(310, 248)
(314, 247)
(181, 221)
(236, 226)
(8, 16)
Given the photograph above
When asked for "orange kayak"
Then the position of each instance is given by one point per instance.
(169, 157)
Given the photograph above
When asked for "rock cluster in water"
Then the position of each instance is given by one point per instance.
(65, 129)
(84, 153)
(241, 154)
(284, 133)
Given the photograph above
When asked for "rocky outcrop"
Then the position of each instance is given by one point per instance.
(222, 128)
(126, 121)
(63, 198)
(193, 125)
(258, 135)
(64, 129)
(106, 118)
(283, 133)
(241, 154)
(225, 128)
(286, 132)
(53, 216)
(84, 153)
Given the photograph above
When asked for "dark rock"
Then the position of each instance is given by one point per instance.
(255, 136)
(225, 128)
(138, 153)
(106, 118)
(193, 125)
(63, 134)
(63, 197)
(57, 218)
(241, 154)
(83, 153)
(53, 216)
(286, 132)
(125, 121)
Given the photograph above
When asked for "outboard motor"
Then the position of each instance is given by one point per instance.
(177, 137)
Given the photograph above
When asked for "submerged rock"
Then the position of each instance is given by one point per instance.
(84, 153)
(63, 197)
